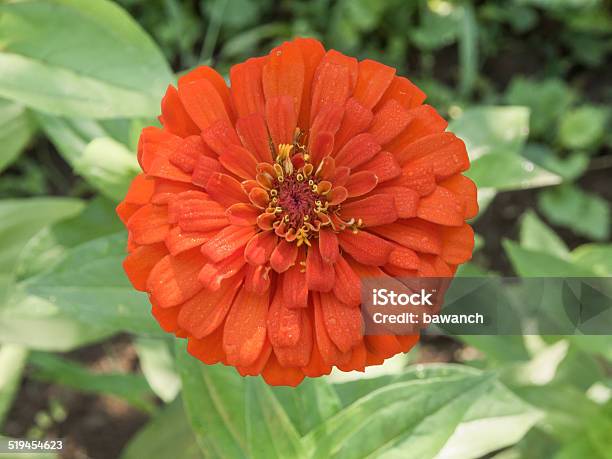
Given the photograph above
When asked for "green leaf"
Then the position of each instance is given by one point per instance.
(547, 100)
(90, 60)
(585, 213)
(214, 400)
(569, 168)
(157, 364)
(51, 244)
(509, 172)
(129, 387)
(491, 129)
(583, 127)
(42, 325)
(418, 418)
(564, 406)
(20, 219)
(536, 235)
(597, 257)
(109, 166)
(534, 263)
(310, 403)
(12, 362)
(269, 430)
(104, 162)
(16, 130)
(89, 285)
(168, 434)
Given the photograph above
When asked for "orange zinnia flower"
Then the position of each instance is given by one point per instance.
(262, 204)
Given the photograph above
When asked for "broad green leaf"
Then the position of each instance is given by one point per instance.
(89, 285)
(52, 243)
(269, 430)
(509, 172)
(70, 135)
(105, 162)
(597, 257)
(109, 166)
(310, 403)
(569, 168)
(214, 399)
(585, 213)
(12, 362)
(90, 60)
(534, 263)
(349, 392)
(129, 387)
(536, 235)
(595, 344)
(565, 408)
(20, 219)
(415, 418)
(583, 127)
(491, 129)
(495, 420)
(39, 324)
(16, 129)
(167, 435)
(157, 364)
(547, 100)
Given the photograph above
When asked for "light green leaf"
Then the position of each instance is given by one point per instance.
(16, 130)
(269, 430)
(157, 364)
(583, 127)
(536, 235)
(38, 324)
(534, 263)
(51, 244)
(89, 285)
(415, 418)
(79, 58)
(95, 150)
(20, 219)
(585, 213)
(167, 435)
(129, 387)
(491, 129)
(569, 168)
(546, 99)
(12, 362)
(310, 403)
(214, 400)
(597, 257)
(509, 172)
(565, 408)
(109, 166)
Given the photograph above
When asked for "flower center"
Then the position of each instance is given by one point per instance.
(299, 199)
(296, 196)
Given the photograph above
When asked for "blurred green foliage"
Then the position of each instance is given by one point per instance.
(525, 83)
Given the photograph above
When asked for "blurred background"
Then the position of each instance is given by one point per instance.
(526, 84)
